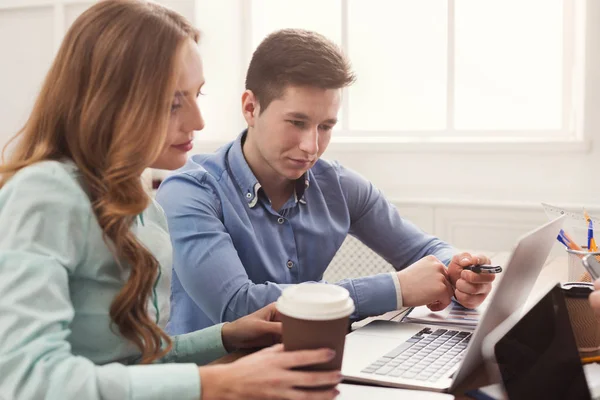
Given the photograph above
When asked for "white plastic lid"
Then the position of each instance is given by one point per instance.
(315, 301)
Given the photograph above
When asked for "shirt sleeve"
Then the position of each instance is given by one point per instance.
(45, 218)
(377, 223)
(396, 280)
(199, 347)
(204, 256)
(212, 274)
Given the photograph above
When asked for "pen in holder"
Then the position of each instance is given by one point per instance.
(576, 271)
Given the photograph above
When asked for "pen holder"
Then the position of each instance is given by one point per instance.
(585, 324)
(576, 271)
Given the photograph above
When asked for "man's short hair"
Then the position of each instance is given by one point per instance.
(296, 57)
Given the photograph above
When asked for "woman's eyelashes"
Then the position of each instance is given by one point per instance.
(179, 99)
(177, 102)
(175, 107)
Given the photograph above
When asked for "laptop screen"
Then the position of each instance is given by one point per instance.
(538, 357)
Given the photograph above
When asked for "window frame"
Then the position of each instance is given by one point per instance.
(570, 138)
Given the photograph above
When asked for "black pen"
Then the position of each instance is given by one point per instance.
(484, 269)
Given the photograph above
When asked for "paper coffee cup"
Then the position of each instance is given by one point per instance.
(315, 316)
(585, 325)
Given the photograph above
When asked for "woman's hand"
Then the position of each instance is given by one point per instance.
(259, 329)
(268, 374)
(595, 298)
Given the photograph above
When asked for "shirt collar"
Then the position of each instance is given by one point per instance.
(300, 187)
(247, 182)
(241, 172)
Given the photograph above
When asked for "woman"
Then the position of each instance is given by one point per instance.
(85, 257)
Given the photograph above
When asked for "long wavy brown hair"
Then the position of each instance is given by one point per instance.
(105, 105)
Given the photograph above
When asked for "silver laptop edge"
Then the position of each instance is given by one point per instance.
(520, 273)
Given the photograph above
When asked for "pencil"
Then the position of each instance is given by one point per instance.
(591, 242)
(563, 241)
(572, 244)
(587, 360)
(568, 241)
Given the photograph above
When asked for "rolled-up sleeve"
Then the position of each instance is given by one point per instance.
(377, 223)
(372, 295)
(199, 347)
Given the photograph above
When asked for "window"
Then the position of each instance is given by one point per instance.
(447, 69)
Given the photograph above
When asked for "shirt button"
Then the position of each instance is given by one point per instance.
(248, 195)
(290, 264)
(280, 220)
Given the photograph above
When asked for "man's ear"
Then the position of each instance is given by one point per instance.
(250, 107)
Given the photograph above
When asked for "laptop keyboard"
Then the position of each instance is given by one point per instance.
(426, 356)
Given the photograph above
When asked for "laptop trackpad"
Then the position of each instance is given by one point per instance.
(366, 344)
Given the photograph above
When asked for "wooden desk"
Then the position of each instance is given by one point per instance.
(555, 270)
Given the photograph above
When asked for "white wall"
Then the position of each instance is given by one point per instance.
(30, 33)
(27, 36)
(474, 196)
(481, 198)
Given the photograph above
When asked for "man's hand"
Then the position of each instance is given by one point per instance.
(259, 329)
(471, 288)
(426, 282)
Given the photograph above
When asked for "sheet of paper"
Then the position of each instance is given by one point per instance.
(494, 391)
(362, 392)
(454, 315)
(592, 376)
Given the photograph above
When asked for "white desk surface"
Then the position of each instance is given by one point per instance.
(362, 392)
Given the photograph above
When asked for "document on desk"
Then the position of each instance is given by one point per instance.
(362, 392)
(592, 376)
(454, 315)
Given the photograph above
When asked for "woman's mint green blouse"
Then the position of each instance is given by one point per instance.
(57, 281)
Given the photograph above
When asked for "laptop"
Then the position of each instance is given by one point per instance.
(438, 358)
(535, 355)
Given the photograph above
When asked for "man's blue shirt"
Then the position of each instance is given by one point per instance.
(234, 254)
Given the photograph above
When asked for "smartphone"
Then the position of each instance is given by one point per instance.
(484, 269)
(591, 265)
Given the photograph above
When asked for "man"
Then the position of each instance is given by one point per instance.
(265, 211)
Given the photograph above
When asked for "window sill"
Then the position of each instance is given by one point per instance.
(460, 145)
(345, 144)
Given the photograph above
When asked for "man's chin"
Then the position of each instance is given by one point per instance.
(294, 175)
(289, 172)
